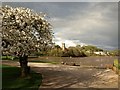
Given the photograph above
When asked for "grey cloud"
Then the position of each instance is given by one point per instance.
(90, 23)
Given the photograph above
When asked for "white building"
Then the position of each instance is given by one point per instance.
(100, 53)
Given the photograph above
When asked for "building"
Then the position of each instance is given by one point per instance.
(63, 46)
(100, 53)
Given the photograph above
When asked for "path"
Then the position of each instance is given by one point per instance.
(60, 76)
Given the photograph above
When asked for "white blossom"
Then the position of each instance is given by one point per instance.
(22, 28)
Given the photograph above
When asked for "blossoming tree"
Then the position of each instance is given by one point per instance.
(23, 32)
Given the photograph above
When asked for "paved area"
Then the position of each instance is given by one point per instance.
(63, 76)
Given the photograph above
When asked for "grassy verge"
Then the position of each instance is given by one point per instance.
(9, 57)
(117, 64)
(11, 79)
(36, 61)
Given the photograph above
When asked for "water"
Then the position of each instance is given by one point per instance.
(91, 61)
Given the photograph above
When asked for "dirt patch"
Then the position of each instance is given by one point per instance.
(105, 79)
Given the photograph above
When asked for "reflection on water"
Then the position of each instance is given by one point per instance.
(94, 61)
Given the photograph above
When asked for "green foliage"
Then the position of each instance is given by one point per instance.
(91, 48)
(11, 79)
(57, 47)
(116, 63)
(76, 52)
(65, 54)
(39, 54)
(9, 57)
(115, 52)
(71, 51)
(55, 52)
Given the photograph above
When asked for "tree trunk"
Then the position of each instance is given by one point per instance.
(25, 69)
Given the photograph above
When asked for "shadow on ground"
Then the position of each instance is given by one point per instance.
(66, 78)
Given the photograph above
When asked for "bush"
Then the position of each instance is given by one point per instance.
(39, 54)
(75, 52)
(72, 51)
(55, 52)
(116, 63)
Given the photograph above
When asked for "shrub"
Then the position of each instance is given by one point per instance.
(39, 54)
(116, 63)
(55, 52)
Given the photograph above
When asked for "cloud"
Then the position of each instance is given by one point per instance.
(68, 43)
(97, 25)
(94, 23)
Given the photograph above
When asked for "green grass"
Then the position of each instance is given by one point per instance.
(9, 57)
(11, 79)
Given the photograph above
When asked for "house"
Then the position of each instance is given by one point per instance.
(100, 53)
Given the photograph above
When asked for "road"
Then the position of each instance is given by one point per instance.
(64, 76)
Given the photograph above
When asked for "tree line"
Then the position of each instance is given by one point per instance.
(76, 51)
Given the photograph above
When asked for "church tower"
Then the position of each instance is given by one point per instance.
(63, 46)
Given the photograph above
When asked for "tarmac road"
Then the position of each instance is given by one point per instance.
(65, 76)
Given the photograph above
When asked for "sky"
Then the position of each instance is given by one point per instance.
(80, 23)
